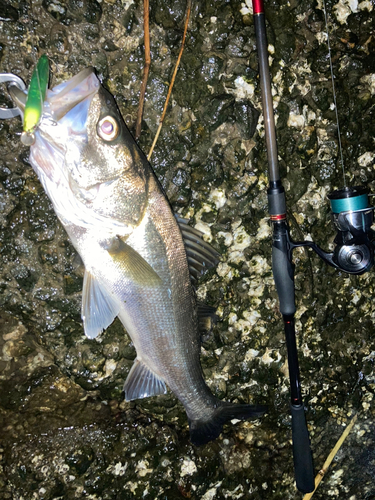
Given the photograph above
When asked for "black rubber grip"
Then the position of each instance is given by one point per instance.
(283, 272)
(303, 463)
(276, 199)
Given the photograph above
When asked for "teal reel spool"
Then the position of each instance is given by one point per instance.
(349, 199)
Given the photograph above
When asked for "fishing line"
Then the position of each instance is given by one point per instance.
(334, 92)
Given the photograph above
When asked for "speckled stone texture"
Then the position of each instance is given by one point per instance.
(65, 431)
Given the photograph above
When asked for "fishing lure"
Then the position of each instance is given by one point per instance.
(35, 99)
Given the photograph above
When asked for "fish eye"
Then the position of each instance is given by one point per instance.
(108, 128)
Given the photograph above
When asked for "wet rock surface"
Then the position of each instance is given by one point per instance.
(65, 431)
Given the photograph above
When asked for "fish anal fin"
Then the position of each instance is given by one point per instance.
(142, 382)
(99, 309)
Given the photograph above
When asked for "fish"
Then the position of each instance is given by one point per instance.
(139, 258)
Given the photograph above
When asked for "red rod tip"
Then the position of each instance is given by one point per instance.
(258, 7)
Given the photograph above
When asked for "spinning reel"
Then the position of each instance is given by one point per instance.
(353, 253)
(352, 217)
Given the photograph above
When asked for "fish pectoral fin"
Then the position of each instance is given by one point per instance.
(200, 255)
(142, 382)
(99, 309)
(133, 264)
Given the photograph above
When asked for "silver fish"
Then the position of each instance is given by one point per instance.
(136, 253)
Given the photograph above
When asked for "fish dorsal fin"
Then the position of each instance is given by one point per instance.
(200, 255)
(142, 382)
(206, 317)
(133, 264)
(99, 309)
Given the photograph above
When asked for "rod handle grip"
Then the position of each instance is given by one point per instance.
(303, 463)
(283, 274)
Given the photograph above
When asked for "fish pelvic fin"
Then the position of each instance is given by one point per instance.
(201, 432)
(99, 308)
(142, 382)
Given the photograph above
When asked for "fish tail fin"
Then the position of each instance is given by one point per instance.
(201, 432)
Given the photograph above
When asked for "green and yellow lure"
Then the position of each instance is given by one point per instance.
(35, 99)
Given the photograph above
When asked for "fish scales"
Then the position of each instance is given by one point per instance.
(178, 349)
(136, 262)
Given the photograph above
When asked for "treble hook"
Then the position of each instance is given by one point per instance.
(12, 81)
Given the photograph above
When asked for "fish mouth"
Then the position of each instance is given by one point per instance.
(66, 96)
(66, 109)
(63, 126)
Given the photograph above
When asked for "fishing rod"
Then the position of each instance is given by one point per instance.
(354, 251)
(282, 266)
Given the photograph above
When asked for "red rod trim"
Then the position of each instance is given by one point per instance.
(278, 217)
(258, 7)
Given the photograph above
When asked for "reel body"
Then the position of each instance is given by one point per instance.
(352, 217)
